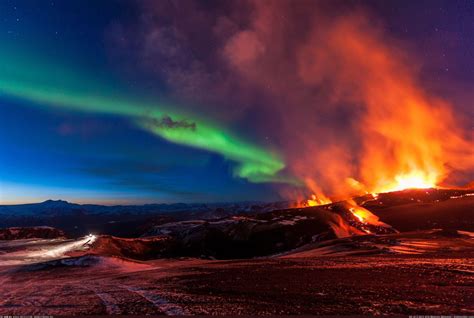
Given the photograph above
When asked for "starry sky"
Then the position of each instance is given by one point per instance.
(130, 102)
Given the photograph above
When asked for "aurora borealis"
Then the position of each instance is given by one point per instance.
(138, 102)
(44, 85)
(48, 87)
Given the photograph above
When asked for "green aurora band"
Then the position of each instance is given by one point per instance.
(46, 84)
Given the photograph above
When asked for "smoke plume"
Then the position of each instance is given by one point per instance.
(329, 88)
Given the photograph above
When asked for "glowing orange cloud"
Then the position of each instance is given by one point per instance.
(409, 139)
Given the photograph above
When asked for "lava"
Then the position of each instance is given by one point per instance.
(404, 137)
(413, 180)
(317, 197)
(315, 200)
(363, 215)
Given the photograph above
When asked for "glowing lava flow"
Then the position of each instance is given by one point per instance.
(363, 215)
(403, 181)
(317, 200)
(413, 180)
(317, 196)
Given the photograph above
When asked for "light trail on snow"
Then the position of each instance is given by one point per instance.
(45, 251)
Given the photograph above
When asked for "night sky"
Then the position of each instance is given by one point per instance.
(133, 102)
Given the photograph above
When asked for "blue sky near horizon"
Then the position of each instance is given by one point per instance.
(93, 158)
(51, 153)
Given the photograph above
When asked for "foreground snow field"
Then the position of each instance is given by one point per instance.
(316, 260)
(418, 272)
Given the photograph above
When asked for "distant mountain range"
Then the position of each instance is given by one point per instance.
(126, 220)
(448, 208)
(61, 207)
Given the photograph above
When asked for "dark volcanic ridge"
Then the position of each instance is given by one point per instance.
(18, 233)
(78, 220)
(320, 260)
(258, 234)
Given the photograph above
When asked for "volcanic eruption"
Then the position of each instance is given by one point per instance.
(405, 137)
(260, 157)
(355, 116)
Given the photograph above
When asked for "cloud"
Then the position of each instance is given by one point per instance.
(322, 80)
(244, 48)
(168, 122)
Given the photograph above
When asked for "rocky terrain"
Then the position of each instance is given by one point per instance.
(411, 210)
(413, 273)
(320, 260)
(120, 220)
(17, 233)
